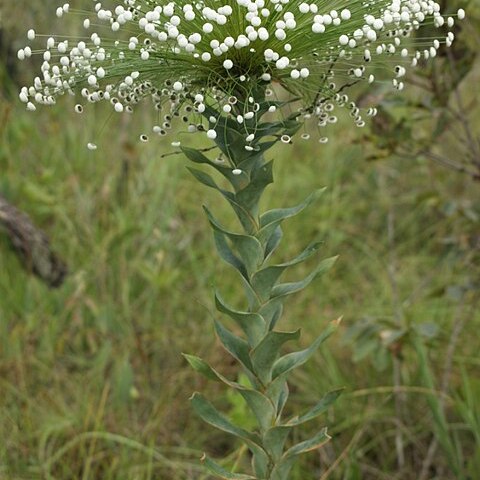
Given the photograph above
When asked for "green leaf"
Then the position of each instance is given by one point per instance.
(201, 366)
(248, 247)
(196, 156)
(230, 141)
(293, 360)
(252, 324)
(264, 280)
(274, 440)
(282, 399)
(269, 233)
(308, 445)
(216, 469)
(321, 407)
(258, 403)
(243, 215)
(260, 178)
(248, 222)
(227, 255)
(208, 413)
(282, 468)
(281, 214)
(285, 289)
(236, 346)
(271, 311)
(267, 351)
(260, 464)
(205, 179)
(273, 241)
(276, 316)
(277, 391)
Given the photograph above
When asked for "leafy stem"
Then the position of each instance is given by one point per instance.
(259, 348)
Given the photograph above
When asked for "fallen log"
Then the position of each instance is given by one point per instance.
(31, 245)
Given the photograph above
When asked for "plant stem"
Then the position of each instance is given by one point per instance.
(259, 351)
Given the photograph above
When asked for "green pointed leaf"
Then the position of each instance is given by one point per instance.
(313, 443)
(236, 346)
(258, 403)
(293, 360)
(248, 247)
(274, 440)
(292, 128)
(281, 214)
(216, 469)
(270, 221)
(243, 215)
(208, 413)
(205, 179)
(252, 163)
(271, 311)
(227, 255)
(267, 351)
(252, 324)
(260, 463)
(276, 316)
(260, 178)
(253, 300)
(277, 391)
(283, 467)
(273, 241)
(285, 289)
(264, 280)
(248, 222)
(321, 407)
(196, 156)
(230, 141)
(201, 366)
(282, 399)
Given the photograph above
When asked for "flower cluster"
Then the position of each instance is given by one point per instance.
(227, 56)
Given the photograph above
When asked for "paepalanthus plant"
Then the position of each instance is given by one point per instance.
(220, 66)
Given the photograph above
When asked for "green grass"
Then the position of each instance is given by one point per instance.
(92, 381)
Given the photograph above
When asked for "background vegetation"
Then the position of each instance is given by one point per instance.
(92, 382)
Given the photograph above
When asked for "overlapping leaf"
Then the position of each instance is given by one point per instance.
(216, 469)
(248, 247)
(259, 404)
(264, 280)
(267, 351)
(252, 324)
(293, 360)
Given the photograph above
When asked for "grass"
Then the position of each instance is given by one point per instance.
(93, 385)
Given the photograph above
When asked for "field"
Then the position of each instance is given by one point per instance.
(93, 385)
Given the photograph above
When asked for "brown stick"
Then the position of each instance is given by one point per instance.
(32, 245)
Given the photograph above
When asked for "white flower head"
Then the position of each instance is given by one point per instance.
(171, 54)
